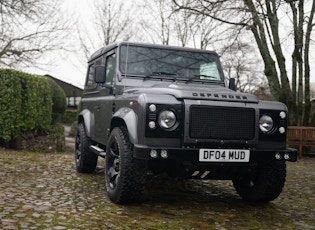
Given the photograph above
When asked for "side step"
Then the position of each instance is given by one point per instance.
(98, 151)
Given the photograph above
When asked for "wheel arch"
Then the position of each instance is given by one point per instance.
(87, 118)
(126, 117)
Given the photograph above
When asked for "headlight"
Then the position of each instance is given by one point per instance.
(265, 123)
(167, 119)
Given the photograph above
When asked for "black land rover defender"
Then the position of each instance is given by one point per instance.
(167, 109)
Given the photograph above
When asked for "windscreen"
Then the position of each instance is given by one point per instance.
(146, 61)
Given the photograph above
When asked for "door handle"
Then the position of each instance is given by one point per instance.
(113, 108)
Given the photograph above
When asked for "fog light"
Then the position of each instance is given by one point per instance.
(153, 153)
(278, 156)
(164, 154)
(286, 156)
(152, 125)
(281, 130)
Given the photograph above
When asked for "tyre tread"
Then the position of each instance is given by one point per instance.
(270, 182)
(132, 174)
(88, 160)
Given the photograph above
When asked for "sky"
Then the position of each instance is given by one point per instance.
(71, 66)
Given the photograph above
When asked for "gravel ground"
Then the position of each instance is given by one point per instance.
(43, 191)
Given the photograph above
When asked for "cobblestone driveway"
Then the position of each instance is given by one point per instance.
(43, 191)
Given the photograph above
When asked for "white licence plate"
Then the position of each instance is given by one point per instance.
(224, 155)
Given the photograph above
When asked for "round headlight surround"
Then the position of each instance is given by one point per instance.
(167, 120)
(266, 124)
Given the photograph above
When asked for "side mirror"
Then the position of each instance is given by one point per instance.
(99, 74)
(232, 84)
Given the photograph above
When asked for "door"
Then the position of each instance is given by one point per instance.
(105, 102)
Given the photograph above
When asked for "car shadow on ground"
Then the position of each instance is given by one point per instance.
(161, 189)
(210, 200)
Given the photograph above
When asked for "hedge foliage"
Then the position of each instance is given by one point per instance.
(70, 116)
(59, 101)
(10, 104)
(26, 103)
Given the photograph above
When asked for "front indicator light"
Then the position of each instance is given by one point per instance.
(152, 108)
(282, 115)
(282, 130)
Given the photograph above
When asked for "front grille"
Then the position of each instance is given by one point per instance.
(222, 123)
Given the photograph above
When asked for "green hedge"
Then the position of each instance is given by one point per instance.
(10, 104)
(70, 116)
(26, 103)
(59, 101)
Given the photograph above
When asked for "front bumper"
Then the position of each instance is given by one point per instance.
(192, 154)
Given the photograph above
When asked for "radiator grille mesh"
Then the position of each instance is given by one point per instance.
(222, 123)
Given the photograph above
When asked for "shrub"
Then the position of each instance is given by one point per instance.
(36, 103)
(10, 104)
(73, 129)
(70, 116)
(59, 101)
(25, 104)
(53, 140)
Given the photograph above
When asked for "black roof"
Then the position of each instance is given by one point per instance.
(116, 44)
(69, 89)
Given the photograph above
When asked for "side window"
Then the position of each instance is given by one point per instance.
(97, 62)
(110, 69)
(90, 78)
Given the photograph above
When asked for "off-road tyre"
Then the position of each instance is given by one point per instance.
(85, 160)
(124, 175)
(265, 184)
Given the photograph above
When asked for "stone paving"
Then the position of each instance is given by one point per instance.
(43, 191)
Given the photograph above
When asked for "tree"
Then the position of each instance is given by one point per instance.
(29, 29)
(164, 24)
(157, 20)
(240, 61)
(299, 55)
(262, 18)
(113, 21)
(208, 32)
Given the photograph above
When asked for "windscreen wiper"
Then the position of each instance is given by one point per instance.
(161, 74)
(207, 77)
(198, 77)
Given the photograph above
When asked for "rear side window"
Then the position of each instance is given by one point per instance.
(110, 69)
(90, 79)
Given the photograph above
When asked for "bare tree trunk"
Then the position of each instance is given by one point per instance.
(285, 95)
(259, 33)
(300, 61)
(165, 24)
(307, 67)
(294, 61)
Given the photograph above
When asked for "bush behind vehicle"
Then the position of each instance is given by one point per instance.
(28, 104)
